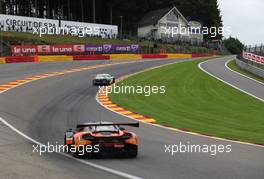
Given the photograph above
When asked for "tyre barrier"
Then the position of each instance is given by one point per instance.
(55, 58)
(60, 58)
(91, 57)
(179, 55)
(199, 55)
(154, 56)
(20, 59)
(125, 56)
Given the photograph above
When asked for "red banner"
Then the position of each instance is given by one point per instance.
(154, 56)
(91, 57)
(253, 57)
(24, 49)
(47, 49)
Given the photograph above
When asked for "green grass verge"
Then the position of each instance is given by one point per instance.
(197, 102)
(232, 64)
(18, 37)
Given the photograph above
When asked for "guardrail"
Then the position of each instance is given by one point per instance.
(250, 66)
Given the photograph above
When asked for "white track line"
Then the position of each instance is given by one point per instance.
(175, 129)
(106, 169)
(226, 65)
(115, 172)
(252, 95)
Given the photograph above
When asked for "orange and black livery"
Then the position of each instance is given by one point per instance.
(110, 139)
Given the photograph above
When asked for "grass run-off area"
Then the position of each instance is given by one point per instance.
(233, 66)
(197, 102)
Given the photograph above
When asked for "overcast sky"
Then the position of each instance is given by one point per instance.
(246, 19)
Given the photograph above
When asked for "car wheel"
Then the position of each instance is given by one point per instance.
(132, 152)
(77, 154)
(65, 140)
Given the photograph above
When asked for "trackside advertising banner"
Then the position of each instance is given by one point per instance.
(107, 48)
(253, 57)
(30, 24)
(73, 49)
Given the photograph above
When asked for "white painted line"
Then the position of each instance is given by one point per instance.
(106, 169)
(226, 65)
(252, 95)
(112, 171)
(175, 129)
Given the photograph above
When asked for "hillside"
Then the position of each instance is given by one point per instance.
(17, 38)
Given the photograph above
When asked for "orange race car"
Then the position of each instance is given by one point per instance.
(102, 138)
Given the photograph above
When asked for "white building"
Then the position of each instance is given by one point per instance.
(169, 25)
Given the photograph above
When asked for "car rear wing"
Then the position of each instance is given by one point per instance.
(107, 124)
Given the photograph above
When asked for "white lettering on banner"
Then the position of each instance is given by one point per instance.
(41, 26)
(24, 50)
(63, 49)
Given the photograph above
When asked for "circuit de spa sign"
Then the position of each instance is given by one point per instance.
(12, 23)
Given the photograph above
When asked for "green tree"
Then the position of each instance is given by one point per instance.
(205, 11)
(233, 45)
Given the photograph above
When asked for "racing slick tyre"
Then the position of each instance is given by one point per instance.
(82, 153)
(77, 154)
(68, 145)
(132, 152)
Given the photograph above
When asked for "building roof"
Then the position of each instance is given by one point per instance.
(153, 17)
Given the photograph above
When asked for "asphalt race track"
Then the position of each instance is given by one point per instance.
(218, 69)
(44, 109)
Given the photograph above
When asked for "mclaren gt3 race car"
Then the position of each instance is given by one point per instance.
(103, 79)
(103, 138)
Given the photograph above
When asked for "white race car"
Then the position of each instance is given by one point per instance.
(103, 79)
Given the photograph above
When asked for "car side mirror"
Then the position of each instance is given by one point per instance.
(69, 130)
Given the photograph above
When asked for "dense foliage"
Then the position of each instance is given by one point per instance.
(233, 45)
(107, 11)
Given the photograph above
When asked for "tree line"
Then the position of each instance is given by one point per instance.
(112, 11)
